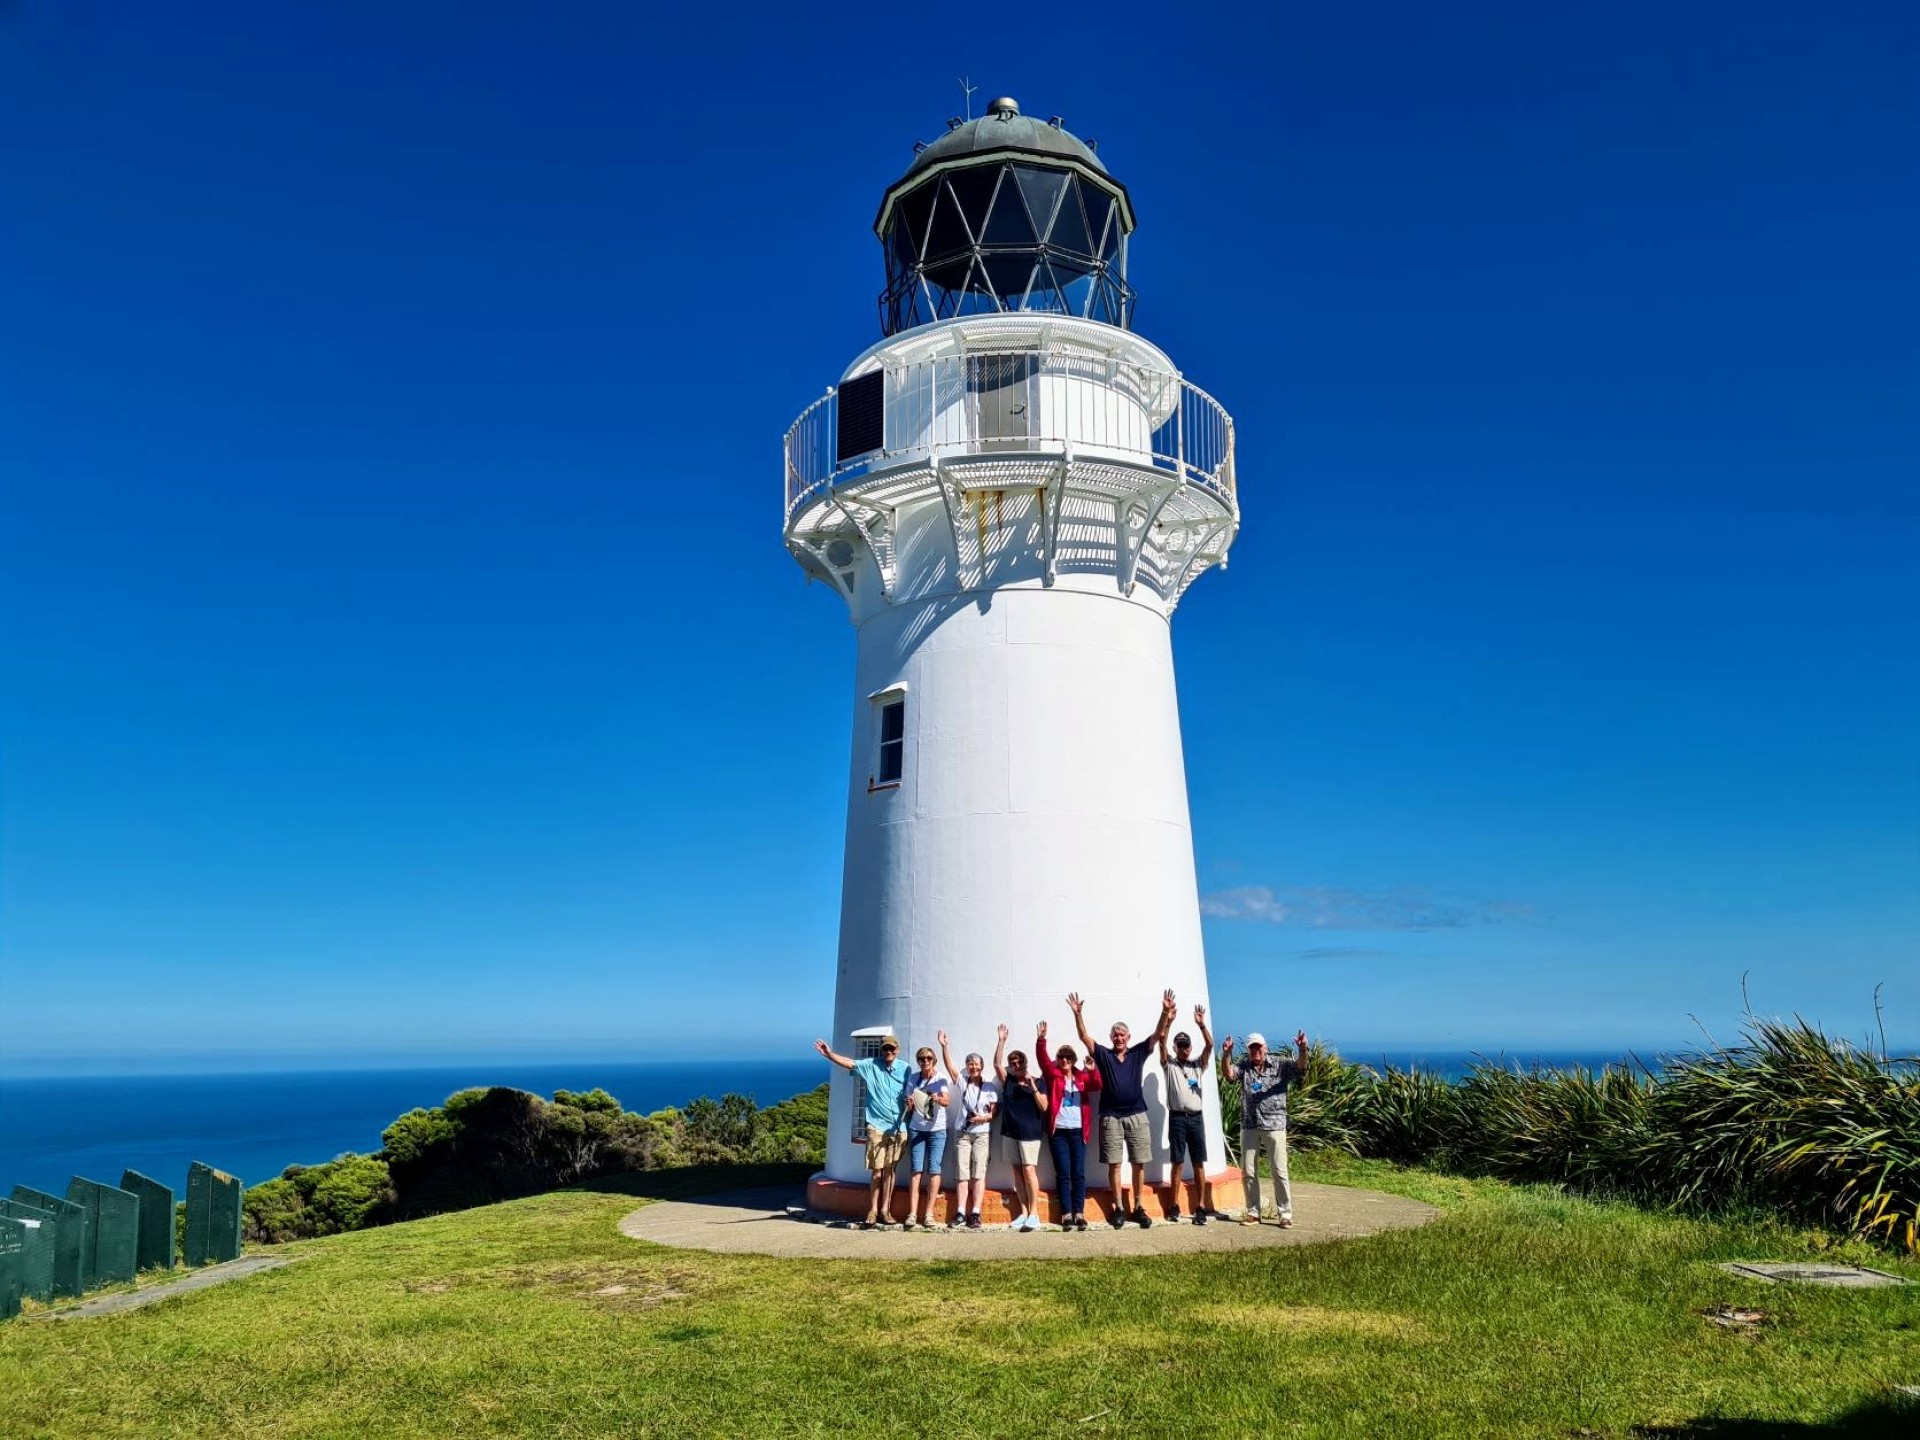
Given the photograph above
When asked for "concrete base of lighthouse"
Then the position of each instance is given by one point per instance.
(848, 1200)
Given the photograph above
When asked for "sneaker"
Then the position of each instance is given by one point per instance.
(973, 1222)
(1027, 1223)
(1117, 1220)
(1173, 1216)
(1199, 1217)
(1141, 1218)
(1219, 1214)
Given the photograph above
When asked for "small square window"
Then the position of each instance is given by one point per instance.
(866, 1047)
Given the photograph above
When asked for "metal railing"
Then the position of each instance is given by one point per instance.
(1015, 402)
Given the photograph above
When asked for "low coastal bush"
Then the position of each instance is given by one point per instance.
(484, 1145)
(1789, 1120)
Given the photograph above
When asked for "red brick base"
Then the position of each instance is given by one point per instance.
(841, 1197)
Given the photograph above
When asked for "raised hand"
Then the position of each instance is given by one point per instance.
(1040, 1032)
(1200, 1016)
(1226, 1046)
(823, 1047)
(1074, 1002)
(1000, 1033)
(1167, 1007)
(941, 1036)
(1300, 1039)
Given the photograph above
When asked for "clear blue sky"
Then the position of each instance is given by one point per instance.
(398, 656)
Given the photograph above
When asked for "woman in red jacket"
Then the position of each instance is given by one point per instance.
(1070, 1092)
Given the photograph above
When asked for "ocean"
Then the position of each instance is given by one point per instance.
(255, 1125)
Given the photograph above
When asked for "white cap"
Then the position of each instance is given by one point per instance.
(1256, 1038)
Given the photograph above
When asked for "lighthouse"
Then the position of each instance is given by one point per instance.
(1011, 491)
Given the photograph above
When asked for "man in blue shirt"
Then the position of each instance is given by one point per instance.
(885, 1083)
(1126, 1132)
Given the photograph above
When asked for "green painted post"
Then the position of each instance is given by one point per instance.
(37, 1262)
(115, 1234)
(69, 1237)
(13, 1244)
(154, 1250)
(213, 1216)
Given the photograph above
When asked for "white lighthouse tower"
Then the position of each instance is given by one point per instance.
(1011, 492)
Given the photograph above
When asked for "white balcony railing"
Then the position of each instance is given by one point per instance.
(1022, 402)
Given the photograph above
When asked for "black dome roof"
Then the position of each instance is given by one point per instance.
(1005, 128)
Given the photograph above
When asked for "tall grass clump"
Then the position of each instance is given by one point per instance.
(1788, 1119)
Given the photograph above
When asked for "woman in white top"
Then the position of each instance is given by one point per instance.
(978, 1100)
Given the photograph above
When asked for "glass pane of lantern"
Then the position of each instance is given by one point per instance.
(910, 216)
(1100, 212)
(1069, 225)
(973, 189)
(1008, 274)
(948, 234)
(1008, 223)
(1042, 191)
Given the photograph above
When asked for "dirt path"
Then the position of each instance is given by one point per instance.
(772, 1222)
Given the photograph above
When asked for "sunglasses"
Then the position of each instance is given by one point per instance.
(889, 1049)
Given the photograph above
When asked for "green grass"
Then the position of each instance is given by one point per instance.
(1518, 1313)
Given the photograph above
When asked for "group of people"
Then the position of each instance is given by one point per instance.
(912, 1110)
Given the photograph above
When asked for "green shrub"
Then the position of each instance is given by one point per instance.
(1788, 1120)
(489, 1144)
(349, 1193)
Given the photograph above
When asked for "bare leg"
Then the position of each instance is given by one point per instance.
(1139, 1185)
(886, 1196)
(1116, 1196)
(874, 1202)
(933, 1198)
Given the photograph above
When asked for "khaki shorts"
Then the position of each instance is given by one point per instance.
(971, 1149)
(884, 1149)
(1019, 1152)
(1126, 1137)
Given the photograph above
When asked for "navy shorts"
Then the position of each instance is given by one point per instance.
(1187, 1136)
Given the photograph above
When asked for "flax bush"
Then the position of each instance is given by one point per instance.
(1789, 1120)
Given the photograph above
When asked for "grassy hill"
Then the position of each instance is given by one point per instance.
(1519, 1313)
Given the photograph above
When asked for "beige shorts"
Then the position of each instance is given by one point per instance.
(971, 1149)
(1126, 1137)
(884, 1149)
(1019, 1152)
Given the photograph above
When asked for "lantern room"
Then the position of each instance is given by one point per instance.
(1005, 213)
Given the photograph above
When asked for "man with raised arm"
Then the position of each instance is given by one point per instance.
(1186, 1075)
(1126, 1132)
(1264, 1082)
(885, 1081)
(979, 1099)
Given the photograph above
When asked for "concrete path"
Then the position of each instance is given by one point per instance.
(773, 1222)
(166, 1290)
